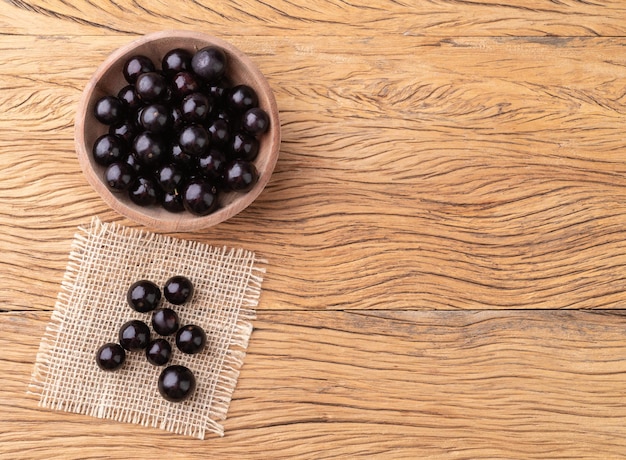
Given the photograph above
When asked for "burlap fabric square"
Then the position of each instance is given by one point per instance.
(105, 260)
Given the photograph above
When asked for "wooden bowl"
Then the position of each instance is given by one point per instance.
(108, 80)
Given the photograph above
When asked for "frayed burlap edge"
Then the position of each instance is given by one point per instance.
(232, 363)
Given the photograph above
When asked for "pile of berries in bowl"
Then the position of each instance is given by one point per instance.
(178, 131)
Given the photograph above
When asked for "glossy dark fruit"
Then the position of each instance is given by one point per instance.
(108, 149)
(176, 60)
(194, 140)
(176, 119)
(158, 352)
(218, 90)
(143, 192)
(167, 97)
(200, 197)
(176, 383)
(195, 108)
(143, 296)
(110, 356)
(134, 335)
(184, 83)
(137, 118)
(255, 121)
(223, 114)
(170, 177)
(119, 176)
(127, 130)
(165, 321)
(219, 131)
(191, 339)
(179, 134)
(244, 146)
(150, 149)
(241, 98)
(109, 110)
(178, 290)
(129, 97)
(211, 164)
(172, 202)
(131, 160)
(209, 63)
(181, 158)
(135, 66)
(155, 118)
(151, 87)
(240, 175)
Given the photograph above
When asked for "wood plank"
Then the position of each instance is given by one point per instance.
(331, 17)
(382, 384)
(487, 173)
(444, 228)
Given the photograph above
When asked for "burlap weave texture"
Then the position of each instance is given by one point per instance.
(105, 259)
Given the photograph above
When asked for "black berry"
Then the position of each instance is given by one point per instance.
(108, 149)
(172, 202)
(109, 110)
(184, 83)
(143, 192)
(131, 160)
(217, 90)
(155, 118)
(240, 176)
(126, 130)
(134, 335)
(158, 352)
(176, 383)
(135, 66)
(129, 97)
(110, 356)
(194, 140)
(255, 121)
(191, 339)
(165, 321)
(195, 108)
(176, 60)
(223, 114)
(241, 98)
(209, 63)
(178, 290)
(219, 131)
(211, 164)
(143, 296)
(119, 176)
(176, 119)
(181, 158)
(244, 146)
(151, 87)
(150, 148)
(170, 177)
(200, 197)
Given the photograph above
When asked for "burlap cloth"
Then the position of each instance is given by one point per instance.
(105, 259)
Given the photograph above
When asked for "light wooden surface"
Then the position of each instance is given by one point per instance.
(444, 230)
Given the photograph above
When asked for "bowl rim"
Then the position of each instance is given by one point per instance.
(177, 222)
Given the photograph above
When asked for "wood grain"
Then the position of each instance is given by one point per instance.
(323, 18)
(444, 229)
(488, 173)
(375, 384)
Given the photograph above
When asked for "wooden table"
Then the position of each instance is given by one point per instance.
(444, 229)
